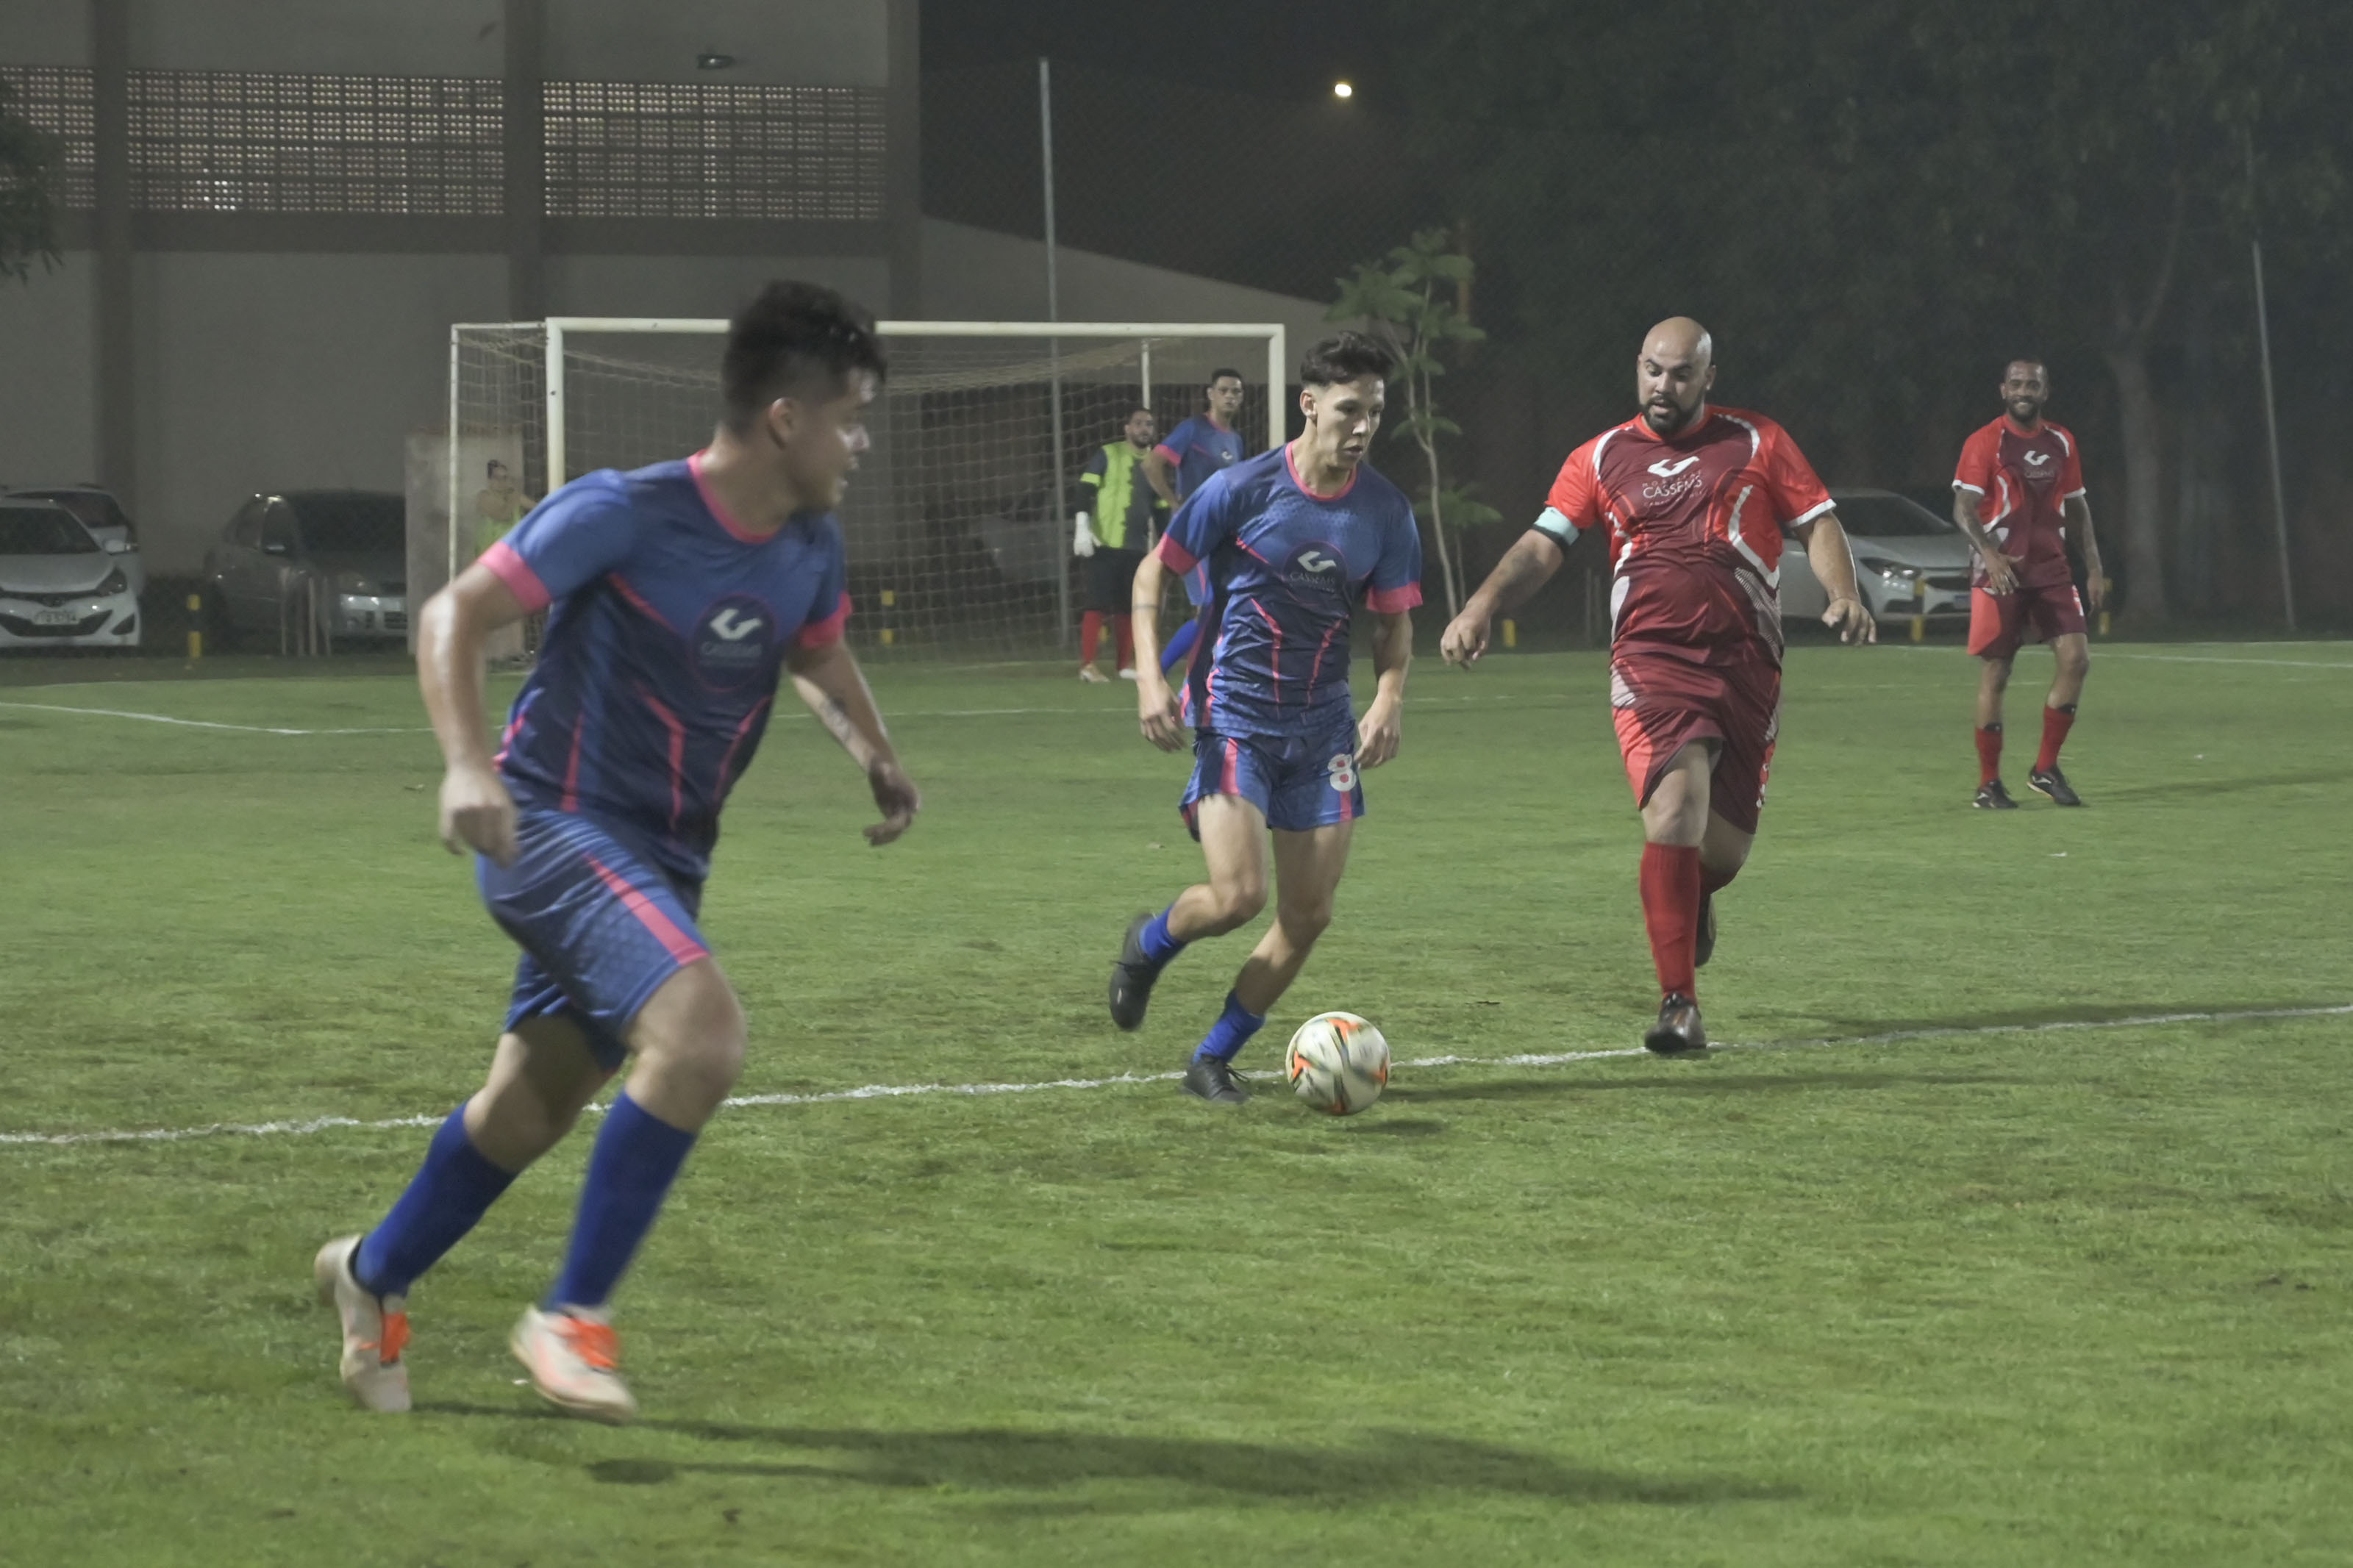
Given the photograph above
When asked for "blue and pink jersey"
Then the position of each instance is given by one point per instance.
(668, 627)
(1199, 447)
(1281, 571)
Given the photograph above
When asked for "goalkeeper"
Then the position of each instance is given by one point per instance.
(1121, 521)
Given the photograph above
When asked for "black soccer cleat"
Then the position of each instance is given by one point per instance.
(1678, 1029)
(1209, 1079)
(1132, 977)
(2052, 783)
(1704, 944)
(1993, 797)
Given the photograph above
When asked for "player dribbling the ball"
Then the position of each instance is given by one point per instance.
(1280, 549)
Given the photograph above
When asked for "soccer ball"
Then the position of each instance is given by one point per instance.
(1338, 1063)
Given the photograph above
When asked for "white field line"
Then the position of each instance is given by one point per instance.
(1523, 698)
(205, 723)
(2175, 658)
(296, 1128)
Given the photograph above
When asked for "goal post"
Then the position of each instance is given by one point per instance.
(958, 524)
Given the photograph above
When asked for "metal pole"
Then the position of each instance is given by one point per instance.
(555, 453)
(1054, 360)
(450, 458)
(2271, 434)
(2271, 406)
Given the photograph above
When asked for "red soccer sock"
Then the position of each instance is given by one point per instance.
(2056, 722)
(1988, 754)
(1089, 635)
(1123, 629)
(1670, 879)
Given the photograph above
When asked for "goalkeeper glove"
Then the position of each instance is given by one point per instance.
(1082, 541)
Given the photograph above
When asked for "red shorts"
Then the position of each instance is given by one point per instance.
(1662, 704)
(1998, 621)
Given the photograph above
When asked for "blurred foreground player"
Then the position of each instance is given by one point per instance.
(1289, 542)
(1696, 500)
(2018, 490)
(681, 594)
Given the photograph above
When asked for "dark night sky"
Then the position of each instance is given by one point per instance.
(1269, 48)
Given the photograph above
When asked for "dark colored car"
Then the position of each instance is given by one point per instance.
(353, 544)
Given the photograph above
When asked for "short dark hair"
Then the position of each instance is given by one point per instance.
(1139, 408)
(1219, 374)
(494, 466)
(1345, 358)
(787, 336)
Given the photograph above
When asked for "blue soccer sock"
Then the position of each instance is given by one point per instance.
(635, 1158)
(1179, 646)
(1157, 945)
(1231, 1032)
(449, 1193)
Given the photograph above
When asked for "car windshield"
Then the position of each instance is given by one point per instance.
(42, 531)
(353, 525)
(1889, 517)
(95, 508)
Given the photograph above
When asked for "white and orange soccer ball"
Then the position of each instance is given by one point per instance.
(1338, 1063)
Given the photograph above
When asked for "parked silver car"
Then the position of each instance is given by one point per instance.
(58, 587)
(344, 550)
(1907, 561)
(107, 521)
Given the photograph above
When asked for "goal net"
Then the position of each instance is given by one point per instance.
(957, 521)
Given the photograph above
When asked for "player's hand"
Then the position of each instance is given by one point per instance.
(2096, 587)
(1156, 711)
(2001, 571)
(477, 813)
(1851, 621)
(1464, 639)
(1380, 733)
(896, 794)
(1083, 538)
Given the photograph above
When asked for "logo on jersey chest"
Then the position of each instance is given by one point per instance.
(1671, 479)
(733, 641)
(1316, 568)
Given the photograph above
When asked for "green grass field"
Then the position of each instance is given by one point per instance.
(1934, 1284)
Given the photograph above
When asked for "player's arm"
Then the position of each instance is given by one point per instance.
(1082, 539)
(2077, 511)
(453, 629)
(1382, 729)
(829, 682)
(1159, 472)
(1827, 552)
(1156, 705)
(2001, 571)
(1525, 567)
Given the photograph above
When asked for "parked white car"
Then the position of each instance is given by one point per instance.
(1907, 561)
(107, 521)
(58, 587)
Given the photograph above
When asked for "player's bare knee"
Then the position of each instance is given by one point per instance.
(1237, 902)
(1305, 921)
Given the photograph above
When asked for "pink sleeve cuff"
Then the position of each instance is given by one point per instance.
(827, 632)
(1393, 600)
(1168, 452)
(516, 574)
(1175, 556)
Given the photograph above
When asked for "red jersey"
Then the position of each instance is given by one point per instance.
(2023, 479)
(1695, 523)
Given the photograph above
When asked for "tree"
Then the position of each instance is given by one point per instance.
(32, 170)
(1413, 300)
(1874, 204)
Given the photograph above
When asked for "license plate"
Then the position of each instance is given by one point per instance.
(55, 619)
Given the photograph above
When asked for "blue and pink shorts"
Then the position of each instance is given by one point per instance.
(601, 925)
(1297, 782)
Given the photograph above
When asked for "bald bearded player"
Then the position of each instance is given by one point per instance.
(1696, 499)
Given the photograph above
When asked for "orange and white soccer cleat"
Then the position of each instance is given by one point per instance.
(574, 1361)
(375, 1329)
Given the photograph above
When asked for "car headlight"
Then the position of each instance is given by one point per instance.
(1906, 575)
(115, 582)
